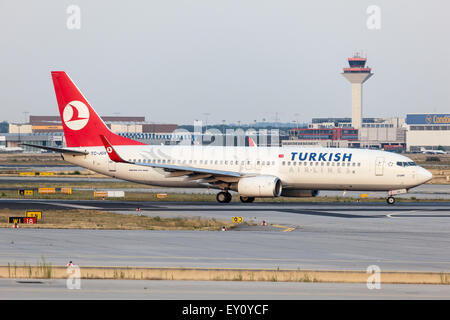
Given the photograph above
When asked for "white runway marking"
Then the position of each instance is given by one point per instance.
(77, 206)
(390, 215)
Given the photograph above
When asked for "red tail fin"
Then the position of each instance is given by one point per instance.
(82, 125)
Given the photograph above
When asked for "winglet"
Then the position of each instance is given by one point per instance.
(113, 155)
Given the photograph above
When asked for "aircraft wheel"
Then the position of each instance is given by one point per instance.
(223, 197)
(247, 199)
(390, 200)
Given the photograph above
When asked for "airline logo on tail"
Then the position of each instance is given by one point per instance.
(76, 115)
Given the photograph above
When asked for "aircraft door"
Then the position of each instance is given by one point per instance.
(379, 166)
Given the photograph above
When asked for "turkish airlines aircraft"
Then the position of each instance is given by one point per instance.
(251, 171)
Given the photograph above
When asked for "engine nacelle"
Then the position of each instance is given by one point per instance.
(260, 186)
(297, 193)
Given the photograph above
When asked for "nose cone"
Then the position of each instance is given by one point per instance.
(424, 175)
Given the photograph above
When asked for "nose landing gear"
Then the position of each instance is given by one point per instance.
(390, 200)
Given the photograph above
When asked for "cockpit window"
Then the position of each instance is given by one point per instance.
(406, 164)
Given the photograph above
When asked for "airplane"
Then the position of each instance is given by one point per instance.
(252, 172)
(431, 151)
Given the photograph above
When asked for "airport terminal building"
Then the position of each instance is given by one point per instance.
(48, 131)
(429, 131)
(374, 133)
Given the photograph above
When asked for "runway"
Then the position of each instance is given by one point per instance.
(330, 236)
(211, 290)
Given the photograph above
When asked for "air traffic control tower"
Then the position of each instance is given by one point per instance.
(357, 74)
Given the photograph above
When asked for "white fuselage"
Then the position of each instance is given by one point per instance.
(297, 168)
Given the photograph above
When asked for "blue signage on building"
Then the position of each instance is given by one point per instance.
(429, 118)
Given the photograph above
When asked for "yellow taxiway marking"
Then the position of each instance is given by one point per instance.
(286, 229)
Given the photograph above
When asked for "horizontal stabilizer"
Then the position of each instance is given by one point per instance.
(55, 149)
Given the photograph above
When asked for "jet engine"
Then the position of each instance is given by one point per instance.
(260, 186)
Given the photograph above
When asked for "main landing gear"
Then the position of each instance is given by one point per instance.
(247, 199)
(223, 197)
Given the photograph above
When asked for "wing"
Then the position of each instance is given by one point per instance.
(191, 173)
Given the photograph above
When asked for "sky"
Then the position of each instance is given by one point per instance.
(177, 61)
